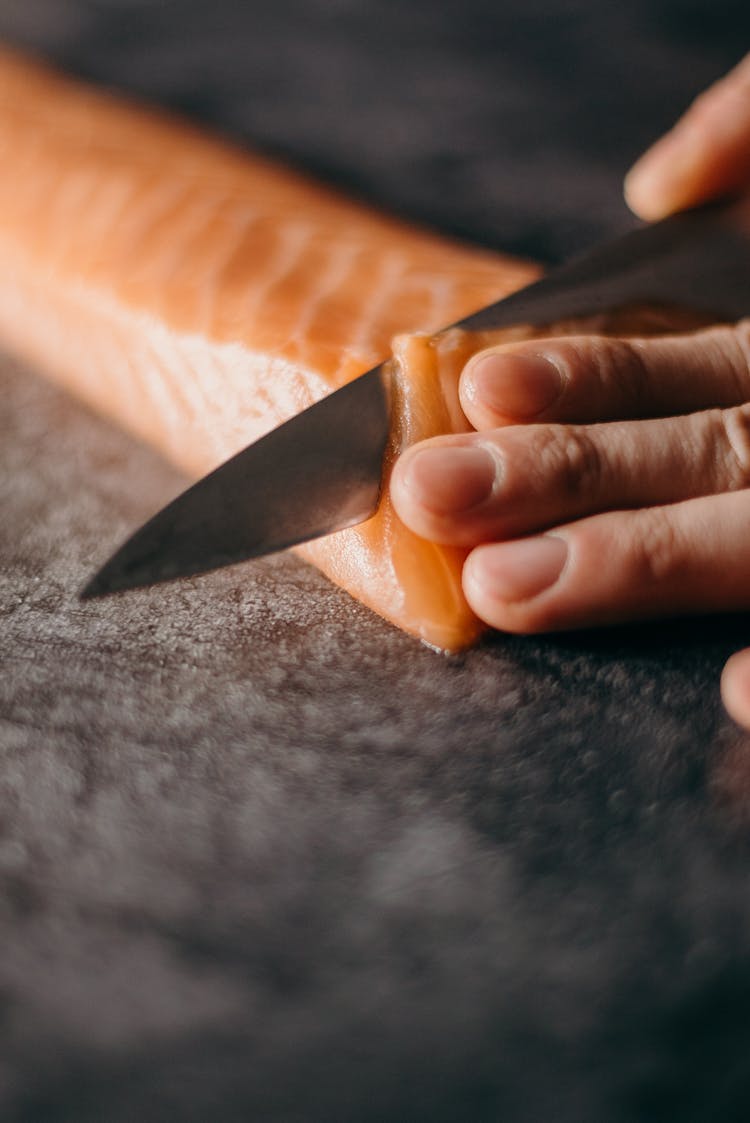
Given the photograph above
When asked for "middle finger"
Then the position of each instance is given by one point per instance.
(470, 488)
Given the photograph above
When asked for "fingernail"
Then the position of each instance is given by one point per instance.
(517, 571)
(514, 385)
(451, 479)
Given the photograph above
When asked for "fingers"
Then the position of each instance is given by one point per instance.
(735, 687)
(686, 558)
(479, 487)
(706, 154)
(593, 378)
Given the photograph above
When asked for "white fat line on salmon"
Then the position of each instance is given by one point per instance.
(235, 225)
(292, 239)
(170, 243)
(383, 282)
(110, 201)
(342, 260)
(140, 225)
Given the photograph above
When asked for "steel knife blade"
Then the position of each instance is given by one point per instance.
(321, 471)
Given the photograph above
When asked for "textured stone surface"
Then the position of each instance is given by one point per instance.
(262, 857)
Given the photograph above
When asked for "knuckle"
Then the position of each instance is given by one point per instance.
(619, 365)
(727, 351)
(578, 462)
(657, 555)
(734, 442)
(741, 342)
(568, 455)
(625, 370)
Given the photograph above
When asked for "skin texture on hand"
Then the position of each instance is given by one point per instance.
(590, 450)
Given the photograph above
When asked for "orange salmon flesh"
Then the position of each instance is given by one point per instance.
(199, 296)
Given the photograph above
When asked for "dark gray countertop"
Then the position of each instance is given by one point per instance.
(262, 857)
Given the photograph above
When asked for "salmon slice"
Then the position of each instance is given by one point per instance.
(199, 296)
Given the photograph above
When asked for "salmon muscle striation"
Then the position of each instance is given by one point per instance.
(199, 296)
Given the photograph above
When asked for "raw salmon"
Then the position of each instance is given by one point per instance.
(199, 295)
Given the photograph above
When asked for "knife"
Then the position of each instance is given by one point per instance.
(321, 471)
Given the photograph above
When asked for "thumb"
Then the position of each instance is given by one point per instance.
(706, 155)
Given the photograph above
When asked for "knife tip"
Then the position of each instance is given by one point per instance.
(111, 578)
(97, 586)
(133, 566)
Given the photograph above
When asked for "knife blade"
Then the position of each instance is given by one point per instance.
(318, 472)
(321, 471)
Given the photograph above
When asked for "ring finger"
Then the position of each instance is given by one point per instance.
(479, 487)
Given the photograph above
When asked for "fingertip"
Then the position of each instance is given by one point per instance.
(503, 580)
(509, 385)
(649, 186)
(642, 191)
(735, 687)
(400, 487)
(438, 485)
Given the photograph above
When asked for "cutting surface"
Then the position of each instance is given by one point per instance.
(264, 857)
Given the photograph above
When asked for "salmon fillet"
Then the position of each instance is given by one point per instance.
(199, 296)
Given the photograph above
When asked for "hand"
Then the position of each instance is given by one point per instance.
(608, 479)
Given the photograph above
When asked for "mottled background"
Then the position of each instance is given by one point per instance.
(262, 857)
